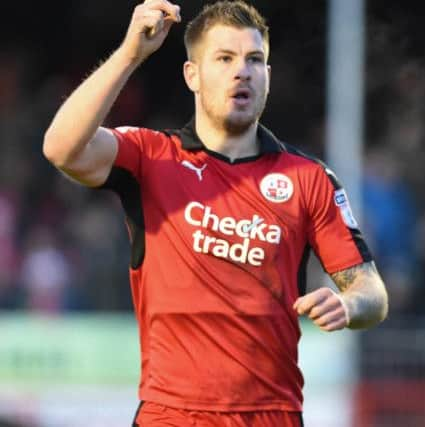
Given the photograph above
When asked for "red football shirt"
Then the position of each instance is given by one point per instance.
(219, 251)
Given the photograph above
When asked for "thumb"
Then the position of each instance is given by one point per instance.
(297, 302)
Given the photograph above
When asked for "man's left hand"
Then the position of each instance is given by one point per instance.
(325, 308)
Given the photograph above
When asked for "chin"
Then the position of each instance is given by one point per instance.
(237, 124)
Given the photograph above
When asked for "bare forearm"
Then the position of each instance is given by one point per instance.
(364, 294)
(85, 110)
(77, 121)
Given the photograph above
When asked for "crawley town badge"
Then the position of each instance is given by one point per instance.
(276, 188)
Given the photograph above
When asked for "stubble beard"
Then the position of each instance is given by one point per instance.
(234, 124)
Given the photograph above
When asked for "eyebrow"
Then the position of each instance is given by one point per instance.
(231, 52)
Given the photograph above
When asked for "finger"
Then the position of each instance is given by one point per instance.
(329, 317)
(332, 302)
(321, 309)
(345, 308)
(153, 25)
(171, 11)
(304, 304)
(162, 29)
(151, 22)
(334, 326)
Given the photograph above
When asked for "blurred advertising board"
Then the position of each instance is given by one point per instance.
(60, 371)
(37, 351)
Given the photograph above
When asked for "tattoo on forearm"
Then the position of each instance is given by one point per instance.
(364, 293)
(343, 279)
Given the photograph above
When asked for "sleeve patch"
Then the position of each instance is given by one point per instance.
(341, 200)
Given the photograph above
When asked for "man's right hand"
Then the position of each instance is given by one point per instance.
(86, 152)
(149, 26)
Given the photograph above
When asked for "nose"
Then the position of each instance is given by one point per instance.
(242, 71)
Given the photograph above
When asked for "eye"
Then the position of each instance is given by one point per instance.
(224, 58)
(256, 59)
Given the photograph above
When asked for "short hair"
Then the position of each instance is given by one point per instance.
(236, 13)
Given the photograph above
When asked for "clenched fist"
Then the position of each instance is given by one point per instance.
(325, 308)
(149, 26)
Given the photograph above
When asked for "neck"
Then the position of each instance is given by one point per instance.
(217, 139)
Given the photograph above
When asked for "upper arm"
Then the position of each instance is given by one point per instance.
(93, 164)
(332, 231)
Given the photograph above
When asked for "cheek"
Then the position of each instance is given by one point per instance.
(210, 84)
(264, 80)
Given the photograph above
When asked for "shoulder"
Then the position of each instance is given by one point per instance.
(150, 142)
(303, 158)
(142, 134)
(306, 163)
(309, 164)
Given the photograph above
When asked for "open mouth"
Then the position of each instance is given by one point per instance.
(242, 97)
(241, 94)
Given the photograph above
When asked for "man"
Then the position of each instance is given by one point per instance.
(221, 217)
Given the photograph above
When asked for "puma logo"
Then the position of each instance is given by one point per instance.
(193, 168)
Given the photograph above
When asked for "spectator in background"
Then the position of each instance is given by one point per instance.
(390, 216)
(46, 273)
(100, 264)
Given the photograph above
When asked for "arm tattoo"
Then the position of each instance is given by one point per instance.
(345, 278)
(364, 294)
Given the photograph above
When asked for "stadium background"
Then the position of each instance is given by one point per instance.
(68, 349)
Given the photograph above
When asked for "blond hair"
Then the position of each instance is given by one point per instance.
(236, 13)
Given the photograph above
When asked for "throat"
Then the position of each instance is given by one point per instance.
(233, 147)
(234, 150)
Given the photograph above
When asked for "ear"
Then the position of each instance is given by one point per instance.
(191, 75)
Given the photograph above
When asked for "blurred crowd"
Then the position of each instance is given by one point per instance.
(64, 247)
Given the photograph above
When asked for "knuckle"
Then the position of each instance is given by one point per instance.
(335, 303)
(140, 11)
(320, 321)
(328, 292)
(314, 312)
(148, 4)
(300, 305)
(326, 319)
(158, 14)
(140, 7)
(333, 316)
(304, 307)
(158, 3)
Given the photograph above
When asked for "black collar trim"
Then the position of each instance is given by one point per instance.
(268, 142)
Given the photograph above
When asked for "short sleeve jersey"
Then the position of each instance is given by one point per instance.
(219, 252)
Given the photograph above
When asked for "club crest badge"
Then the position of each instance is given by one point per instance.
(276, 188)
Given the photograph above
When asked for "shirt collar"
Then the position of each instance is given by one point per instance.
(268, 141)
